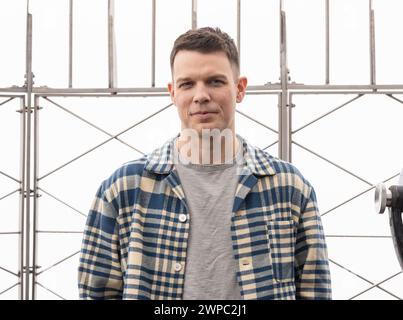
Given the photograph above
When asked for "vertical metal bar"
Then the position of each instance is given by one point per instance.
(194, 14)
(153, 44)
(29, 84)
(372, 42)
(111, 44)
(35, 199)
(284, 112)
(21, 244)
(327, 42)
(238, 29)
(71, 44)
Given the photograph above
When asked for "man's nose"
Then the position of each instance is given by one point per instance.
(201, 94)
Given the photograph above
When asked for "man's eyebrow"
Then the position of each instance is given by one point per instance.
(213, 76)
(183, 79)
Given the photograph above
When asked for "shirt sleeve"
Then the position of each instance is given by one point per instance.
(99, 272)
(312, 266)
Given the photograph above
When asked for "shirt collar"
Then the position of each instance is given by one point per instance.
(255, 160)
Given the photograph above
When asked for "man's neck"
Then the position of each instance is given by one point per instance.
(207, 150)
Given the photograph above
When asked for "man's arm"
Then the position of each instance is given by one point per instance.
(312, 266)
(99, 273)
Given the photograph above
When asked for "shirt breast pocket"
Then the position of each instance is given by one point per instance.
(282, 243)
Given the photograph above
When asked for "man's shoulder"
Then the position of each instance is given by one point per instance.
(283, 171)
(263, 159)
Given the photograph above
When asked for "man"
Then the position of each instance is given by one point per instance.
(207, 215)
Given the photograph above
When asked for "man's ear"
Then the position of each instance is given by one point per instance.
(241, 87)
(171, 91)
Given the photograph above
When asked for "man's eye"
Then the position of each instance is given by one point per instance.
(185, 85)
(216, 82)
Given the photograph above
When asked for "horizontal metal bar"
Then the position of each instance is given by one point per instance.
(345, 92)
(377, 285)
(258, 122)
(49, 290)
(327, 113)
(106, 141)
(61, 201)
(11, 193)
(59, 262)
(358, 195)
(104, 95)
(55, 231)
(13, 89)
(11, 96)
(8, 289)
(8, 271)
(336, 165)
(266, 87)
(5, 174)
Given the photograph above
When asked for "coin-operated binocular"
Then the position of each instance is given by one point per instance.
(393, 199)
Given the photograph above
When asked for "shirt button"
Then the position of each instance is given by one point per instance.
(182, 217)
(178, 266)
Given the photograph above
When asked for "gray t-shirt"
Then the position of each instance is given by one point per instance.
(210, 270)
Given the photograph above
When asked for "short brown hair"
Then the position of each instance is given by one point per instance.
(206, 40)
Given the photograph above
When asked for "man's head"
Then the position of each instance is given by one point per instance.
(207, 40)
(205, 79)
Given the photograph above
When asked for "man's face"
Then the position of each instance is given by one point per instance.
(205, 90)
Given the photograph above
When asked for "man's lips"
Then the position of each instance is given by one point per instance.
(203, 113)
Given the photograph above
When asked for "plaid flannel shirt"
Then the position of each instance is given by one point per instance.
(134, 245)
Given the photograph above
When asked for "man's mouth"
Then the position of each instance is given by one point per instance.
(202, 113)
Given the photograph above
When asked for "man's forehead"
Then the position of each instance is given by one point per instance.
(192, 63)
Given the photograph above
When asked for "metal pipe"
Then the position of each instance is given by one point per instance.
(238, 30)
(8, 176)
(35, 198)
(153, 43)
(284, 109)
(270, 145)
(57, 231)
(356, 196)
(366, 280)
(71, 44)
(21, 244)
(9, 288)
(327, 113)
(51, 291)
(91, 124)
(59, 262)
(146, 91)
(327, 42)
(29, 84)
(256, 121)
(331, 162)
(377, 285)
(111, 45)
(372, 42)
(194, 14)
(11, 193)
(102, 143)
(66, 204)
(4, 102)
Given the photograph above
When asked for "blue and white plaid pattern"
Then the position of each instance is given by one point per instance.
(134, 245)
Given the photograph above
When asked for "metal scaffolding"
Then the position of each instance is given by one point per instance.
(32, 98)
